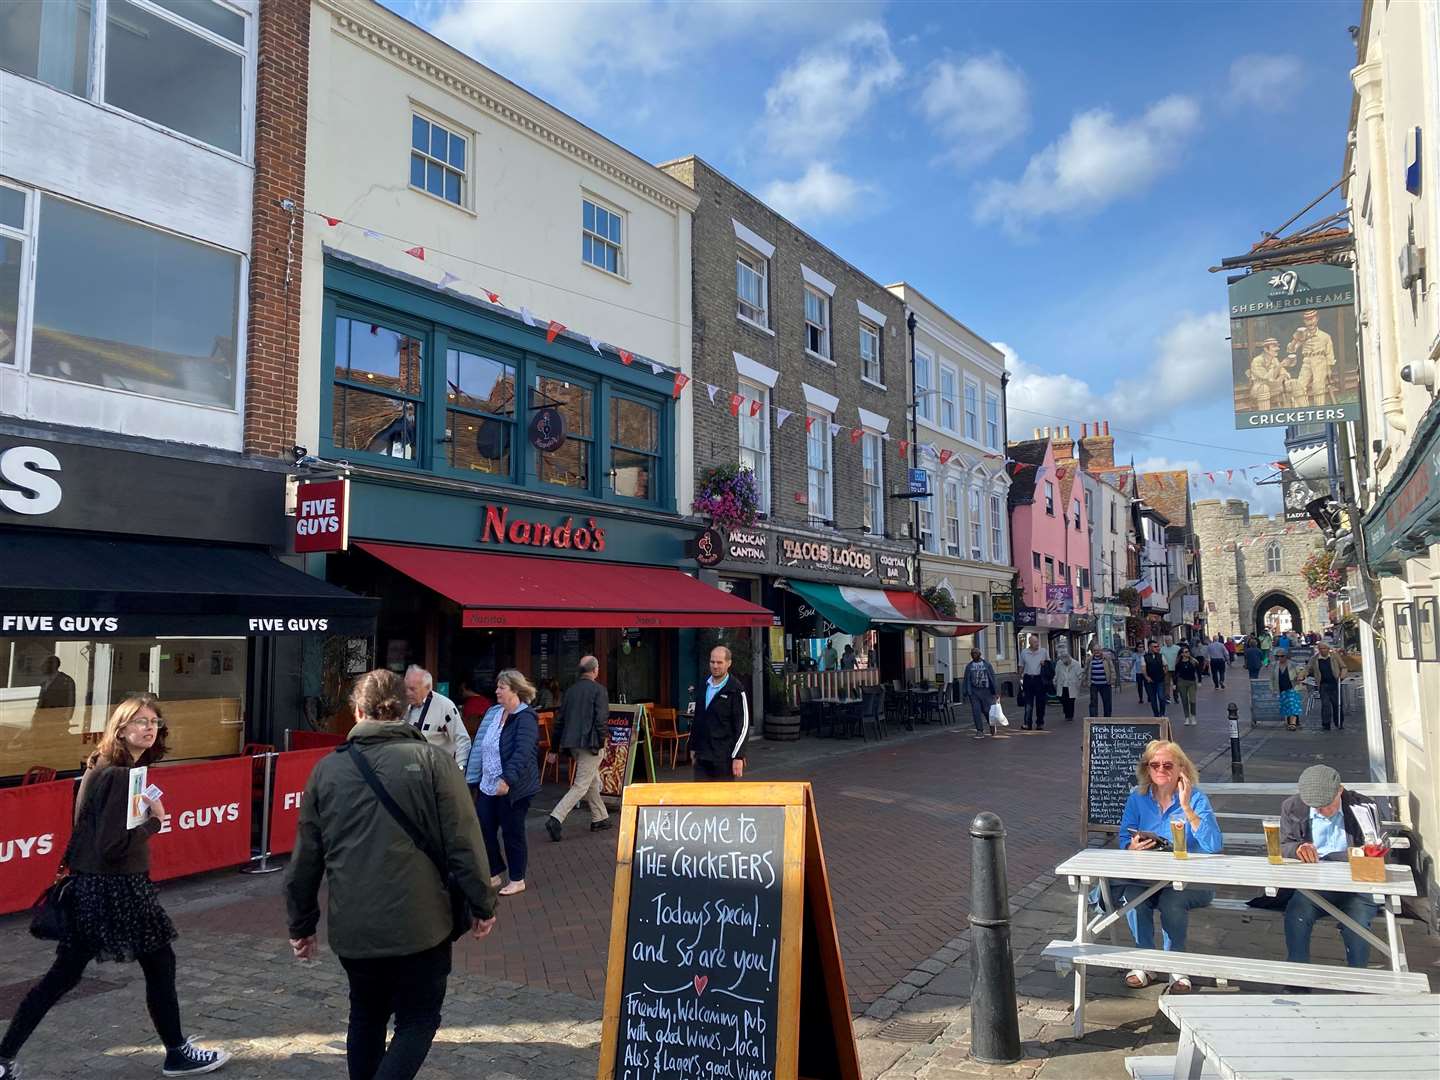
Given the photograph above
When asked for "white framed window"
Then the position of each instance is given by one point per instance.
(1049, 498)
(1272, 557)
(1000, 646)
(1112, 517)
(178, 64)
(949, 402)
(928, 540)
(437, 159)
(952, 518)
(817, 322)
(1089, 510)
(755, 438)
(997, 530)
(992, 421)
(602, 241)
(14, 281)
(924, 383)
(1075, 510)
(870, 351)
(972, 411)
(752, 286)
(977, 525)
(819, 465)
(872, 456)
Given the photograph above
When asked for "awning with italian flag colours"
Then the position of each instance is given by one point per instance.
(855, 610)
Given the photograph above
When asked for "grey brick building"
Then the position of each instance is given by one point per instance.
(799, 333)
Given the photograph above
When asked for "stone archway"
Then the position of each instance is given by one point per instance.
(1276, 599)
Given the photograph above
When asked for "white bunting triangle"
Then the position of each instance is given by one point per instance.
(525, 314)
(712, 390)
(834, 430)
(372, 234)
(657, 369)
(448, 279)
(781, 415)
(595, 344)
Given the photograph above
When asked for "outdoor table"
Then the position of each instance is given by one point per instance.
(1161, 869)
(1322, 1036)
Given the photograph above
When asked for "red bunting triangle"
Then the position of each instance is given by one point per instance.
(553, 330)
(735, 402)
(332, 221)
(903, 448)
(809, 423)
(681, 379)
(946, 455)
(755, 408)
(493, 297)
(626, 358)
(417, 252)
(855, 434)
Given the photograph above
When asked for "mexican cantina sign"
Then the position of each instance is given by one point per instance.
(1293, 353)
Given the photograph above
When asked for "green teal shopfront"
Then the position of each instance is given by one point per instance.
(513, 498)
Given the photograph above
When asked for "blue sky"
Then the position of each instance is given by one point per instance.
(1059, 176)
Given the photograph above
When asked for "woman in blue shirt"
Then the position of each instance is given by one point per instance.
(1166, 789)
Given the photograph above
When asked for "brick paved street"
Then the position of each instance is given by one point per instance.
(524, 1002)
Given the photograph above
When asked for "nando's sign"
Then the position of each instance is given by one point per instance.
(501, 528)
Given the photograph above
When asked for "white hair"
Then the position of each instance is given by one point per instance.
(416, 669)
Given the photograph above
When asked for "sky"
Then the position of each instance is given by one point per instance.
(1058, 176)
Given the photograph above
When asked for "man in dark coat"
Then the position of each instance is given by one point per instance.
(57, 692)
(583, 713)
(721, 724)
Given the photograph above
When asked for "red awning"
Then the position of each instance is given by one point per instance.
(525, 592)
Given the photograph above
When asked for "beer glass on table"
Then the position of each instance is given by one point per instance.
(1177, 838)
(1272, 840)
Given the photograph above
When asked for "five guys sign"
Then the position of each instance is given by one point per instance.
(322, 516)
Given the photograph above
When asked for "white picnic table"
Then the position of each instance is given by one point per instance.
(1163, 870)
(1299, 1037)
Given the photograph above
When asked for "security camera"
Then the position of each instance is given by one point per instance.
(299, 453)
(1420, 373)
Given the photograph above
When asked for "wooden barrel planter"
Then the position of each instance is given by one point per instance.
(782, 728)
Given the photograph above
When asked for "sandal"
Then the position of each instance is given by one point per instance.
(1179, 984)
(1137, 979)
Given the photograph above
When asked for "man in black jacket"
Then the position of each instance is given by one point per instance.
(721, 724)
(583, 713)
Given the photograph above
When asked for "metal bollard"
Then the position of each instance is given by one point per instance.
(994, 1022)
(1237, 767)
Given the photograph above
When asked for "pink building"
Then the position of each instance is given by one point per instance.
(1050, 541)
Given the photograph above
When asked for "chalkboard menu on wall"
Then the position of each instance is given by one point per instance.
(1112, 747)
(700, 992)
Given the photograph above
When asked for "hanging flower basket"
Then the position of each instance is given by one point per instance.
(1322, 575)
(940, 599)
(729, 495)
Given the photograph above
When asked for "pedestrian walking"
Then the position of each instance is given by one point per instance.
(720, 723)
(584, 711)
(1286, 679)
(1152, 671)
(1324, 671)
(435, 716)
(1100, 678)
(979, 686)
(113, 911)
(1034, 692)
(1254, 658)
(1169, 652)
(1187, 678)
(1264, 641)
(389, 915)
(509, 779)
(1219, 658)
(1069, 674)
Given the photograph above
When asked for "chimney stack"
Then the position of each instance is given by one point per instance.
(1098, 451)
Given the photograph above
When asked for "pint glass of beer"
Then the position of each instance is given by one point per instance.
(1177, 837)
(1272, 840)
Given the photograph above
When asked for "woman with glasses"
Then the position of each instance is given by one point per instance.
(1166, 789)
(114, 911)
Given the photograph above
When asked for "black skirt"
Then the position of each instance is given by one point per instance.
(117, 917)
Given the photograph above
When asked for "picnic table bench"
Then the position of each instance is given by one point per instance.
(1324, 1037)
(1256, 840)
(1162, 870)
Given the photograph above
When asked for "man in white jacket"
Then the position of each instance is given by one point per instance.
(435, 716)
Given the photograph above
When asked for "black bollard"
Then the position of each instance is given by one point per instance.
(1237, 767)
(994, 1023)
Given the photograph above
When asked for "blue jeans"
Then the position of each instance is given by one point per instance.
(1174, 906)
(980, 712)
(1158, 698)
(502, 825)
(1100, 691)
(1300, 916)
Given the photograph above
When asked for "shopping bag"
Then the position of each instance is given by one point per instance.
(997, 716)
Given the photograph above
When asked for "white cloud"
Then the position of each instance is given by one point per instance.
(1098, 160)
(1270, 82)
(1041, 396)
(828, 90)
(820, 192)
(976, 106)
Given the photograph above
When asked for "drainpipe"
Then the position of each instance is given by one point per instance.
(915, 508)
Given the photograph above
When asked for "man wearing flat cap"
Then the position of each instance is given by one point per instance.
(1318, 822)
(1267, 376)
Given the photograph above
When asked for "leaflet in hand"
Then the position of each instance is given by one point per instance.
(136, 808)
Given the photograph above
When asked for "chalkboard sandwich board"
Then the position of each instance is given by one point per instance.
(1264, 701)
(1112, 747)
(724, 960)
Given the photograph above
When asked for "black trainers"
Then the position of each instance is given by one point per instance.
(553, 828)
(190, 1060)
(596, 826)
(9, 1070)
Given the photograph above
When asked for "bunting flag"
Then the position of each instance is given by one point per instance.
(595, 344)
(656, 368)
(493, 297)
(448, 279)
(855, 434)
(371, 234)
(554, 330)
(735, 400)
(809, 423)
(885, 436)
(834, 430)
(1211, 476)
(903, 447)
(946, 455)
(781, 415)
(1229, 475)
(1060, 472)
(417, 252)
(525, 315)
(712, 390)
(627, 358)
(755, 407)
(681, 380)
(332, 221)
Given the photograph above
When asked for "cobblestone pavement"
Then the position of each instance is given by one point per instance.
(524, 1002)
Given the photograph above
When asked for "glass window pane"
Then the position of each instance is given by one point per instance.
(218, 20)
(479, 444)
(569, 466)
(370, 353)
(615, 228)
(612, 260)
(419, 133)
(439, 142)
(586, 252)
(480, 383)
(119, 305)
(47, 41)
(434, 178)
(9, 298)
(452, 186)
(631, 473)
(12, 208)
(457, 152)
(417, 170)
(589, 215)
(635, 425)
(574, 403)
(155, 69)
(374, 423)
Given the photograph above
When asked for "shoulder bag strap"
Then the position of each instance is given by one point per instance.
(388, 801)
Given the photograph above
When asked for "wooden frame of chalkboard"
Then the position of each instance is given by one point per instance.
(1086, 825)
(808, 975)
